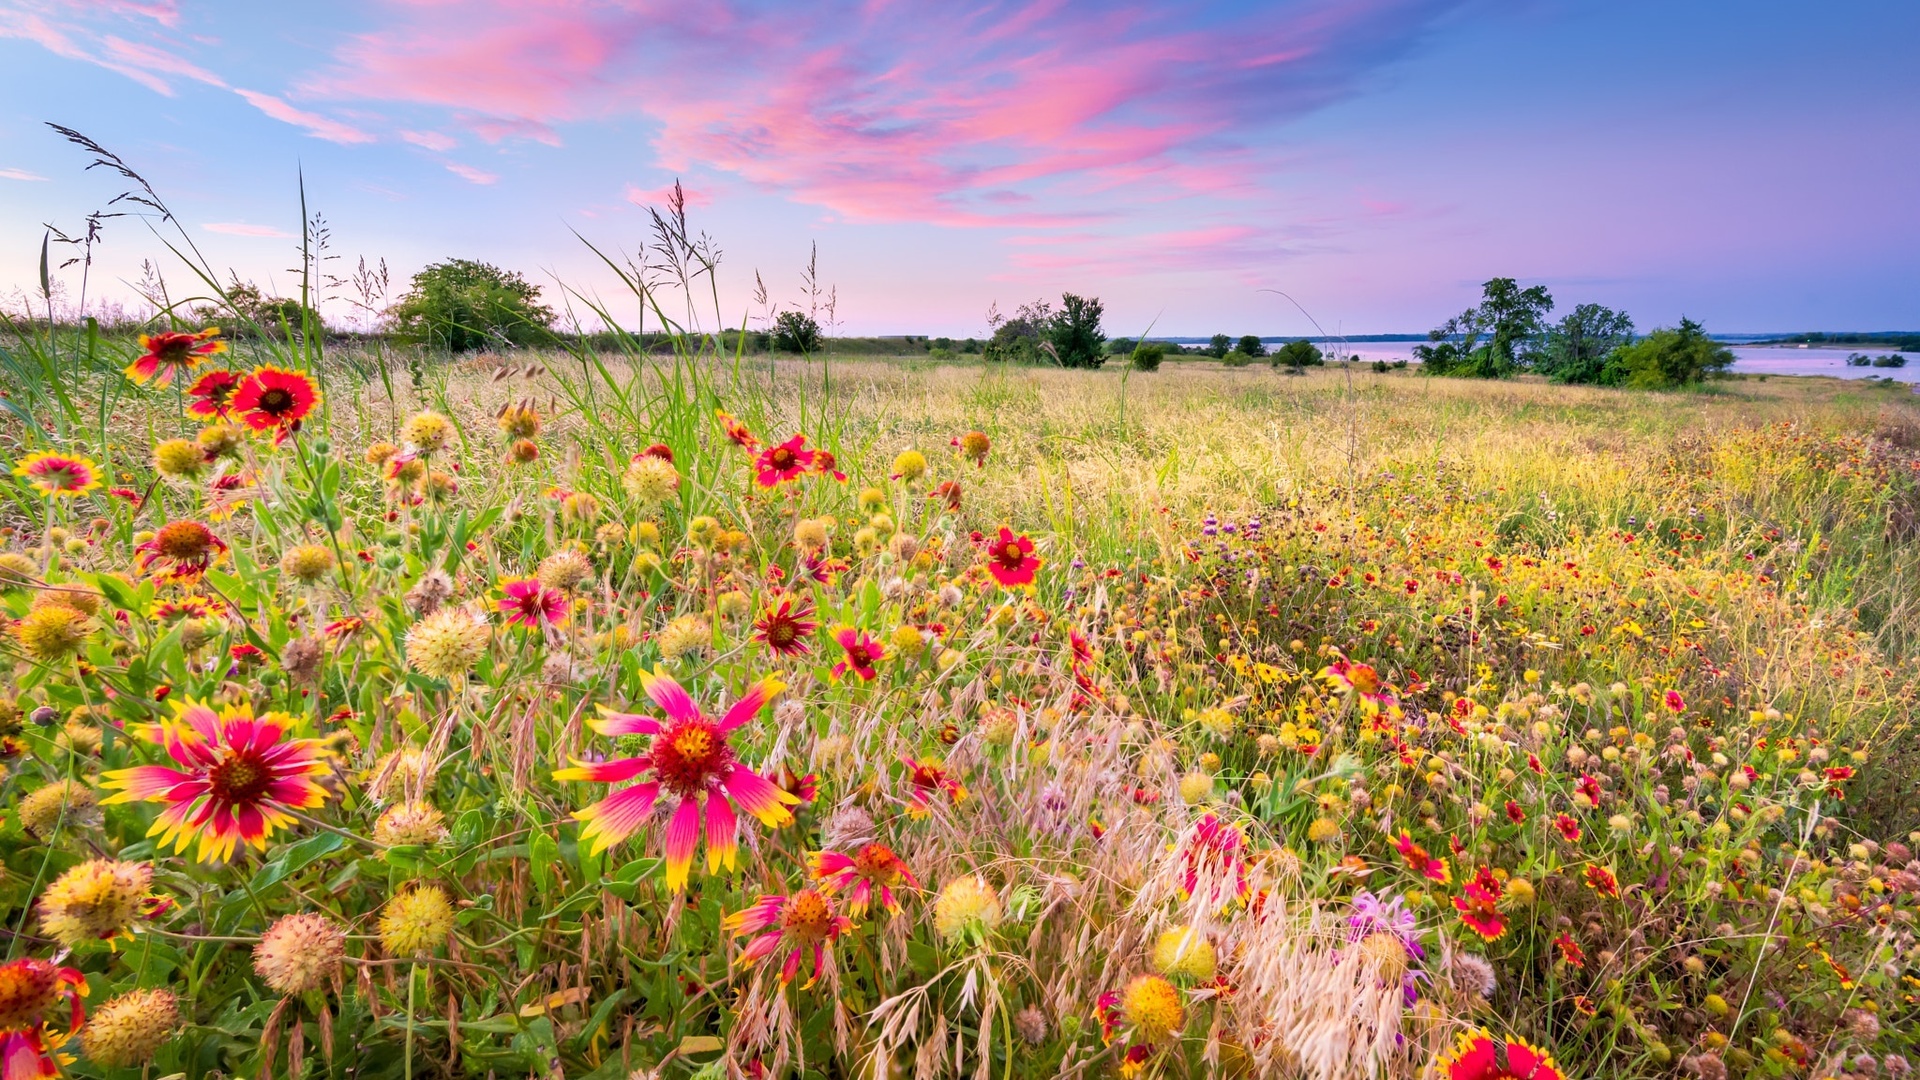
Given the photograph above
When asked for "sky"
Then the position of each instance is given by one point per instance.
(1199, 166)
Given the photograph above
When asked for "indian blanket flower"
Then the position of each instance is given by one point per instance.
(929, 777)
(57, 475)
(170, 352)
(131, 1027)
(300, 952)
(785, 461)
(1361, 680)
(274, 399)
(529, 603)
(873, 868)
(212, 394)
(1010, 559)
(1213, 862)
(802, 923)
(1570, 951)
(99, 900)
(29, 988)
(1480, 1055)
(239, 778)
(1569, 828)
(181, 549)
(785, 627)
(862, 653)
(1602, 880)
(1478, 905)
(974, 445)
(1418, 861)
(737, 432)
(689, 761)
(1149, 1011)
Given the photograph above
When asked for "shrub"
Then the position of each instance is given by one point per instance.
(1147, 357)
(1075, 332)
(462, 304)
(1251, 345)
(939, 353)
(1299, 354)
(1121, 346)
(1891, 360)
(1236, 359)
(796, 332)
(1668, 358)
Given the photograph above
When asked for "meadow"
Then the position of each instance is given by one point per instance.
(679, 713)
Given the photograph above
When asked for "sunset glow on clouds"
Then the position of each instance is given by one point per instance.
(1375, 157)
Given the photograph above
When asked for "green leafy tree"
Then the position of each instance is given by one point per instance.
(1510, 318)
(1251, 345)
(1075, 332)
(1219, 345)
(462, 304)
(1576, 348)
(796, 332)
(1120, 346)
(247, 311)
(1298, 354)
(1667, 358)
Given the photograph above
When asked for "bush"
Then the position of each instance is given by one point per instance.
(1381, 366)
(796, 332)
(1251, 345)
(1236, 359)
(1891, 360)
(1218, 346)
(1075, 332)
(938, 353)
(1121, 346)
(1668, 358)
(1147, 357)
(462, 304)
(247, 312)
(1299, 354)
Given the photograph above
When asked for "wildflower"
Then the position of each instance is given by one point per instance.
(182, 549)
(785, 628)
(1674, 702)
(1569, 828)
(1472, 974)
(862, 652)
(28, 988)
(1478, 1055)
(810, 534)
(218, 440)
(1152, 1008)
(411, 823)
(98, 900)
(416, 921)
(650, 480)
(873, 867)
(58, 475)
(683, 636)
(802, 923)
(531, 604)
(1361, 680)
(447, 643)
(1031, 1024)
(308, 563)
(45, 808)
(518, 421)
(928, 777)
(240, 778)
(427, 432)
(786, 461)
(1570, 951)
(565, 569)
(1514, 813)
(212, 394)
(53, 632)
(179, 459)
(1196, 787)
(1011, 560)
(974, 446)
(967, 909)
(689, 760)
(272, 398)
(1213, 864)
(300, 952)
(1184, 953)
(171, 352)
(738, 432)
(1420, 862)
(910, 465)
(1323, 830)
(1602, 880)
(1478, 910)
(131, 1027)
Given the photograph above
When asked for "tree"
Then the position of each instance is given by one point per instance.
(1075, 332)
(248, 311)
(1510, 317)
(795, 332)
(1120, 346)
(462, 304)
(1298, 354)
(1148, 356)
(1251, 345)
(1577, 347)
(1219, 345)
(1017, 339)
(1668, 358)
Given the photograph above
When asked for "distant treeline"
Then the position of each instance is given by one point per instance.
(1897, 340)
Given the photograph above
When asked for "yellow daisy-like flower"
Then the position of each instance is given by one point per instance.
(58, 475)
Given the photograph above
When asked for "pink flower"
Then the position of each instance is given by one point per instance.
(1010, 559)
(531, 604)
(789, 460)
(862, 652)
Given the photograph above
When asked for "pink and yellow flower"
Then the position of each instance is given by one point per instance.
(212, 394)
(1010, 559)
(801, 923)
(689, 761)
(1420, 862)
(275, 399)
(58, 475)
(29, 988)
(238, 779)
(862, 653)
(170, 352)
(928, 777)
(786, 461)
(1479, 1055)
(873, 868)
(786, 626)
(531, 604)
(1214, 863)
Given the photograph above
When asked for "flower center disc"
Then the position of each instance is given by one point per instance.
(276, 401)
(807, 915)
(689, 756)
(239, 779)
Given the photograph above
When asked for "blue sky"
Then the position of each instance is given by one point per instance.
(1748, 164)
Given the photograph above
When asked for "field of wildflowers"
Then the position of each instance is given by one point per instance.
(678, 714)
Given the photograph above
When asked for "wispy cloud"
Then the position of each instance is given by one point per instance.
(241, 228)
(19, 174)
(659, 196)
(318, 126)
(471, 174)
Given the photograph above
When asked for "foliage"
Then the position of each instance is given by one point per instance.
(1121, 346)
(247, 310)
(1299, 353)
(1509, 317)
(1666, 358)
(1577, 346)
(796, 332)
(1147, 356)
(1219, 345)
(1251, 345)
(1075, 332)
(460, 305)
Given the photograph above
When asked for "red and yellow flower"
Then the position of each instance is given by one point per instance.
(1418, 861)
(873, 868)
(1010, 559)
(182, 550)
(689, 761)
(528, 603)
(862, 653)
(1478, 905)
(29, 988)
(171, 352)
(785, 627)
(239, 778)
(801, 923)
(275, 399)
(1479, 1055)
(785, 461)
(212, 394)
(58, 475)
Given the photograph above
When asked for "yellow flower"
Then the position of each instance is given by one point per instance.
(910, 465)
(564, 569)
(447, 643)
(130, 1027)
(180, 459)
(651, 480)
(43, 808)
(1184, 953)
(1152, 1007)
(686, 635)
(427, 432)
(95, 901)
(300, 952)
(53, 632)
(967, 905)
(411, 823)
(307, 563)
(416, 921)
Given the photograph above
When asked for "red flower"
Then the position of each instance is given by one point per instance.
(1479, 911)
(1601, 880)
(1011, 560)
(785, 628)
(862, 653)
(529, 603)
(787, 461)
(1570, 951)
(1478, 1055)
(28, 988)
(873, 868)
(1420, 862)
(167, 353)
(272, 398)
(929, 777)
(1588, 786)
(803, 923)
(212, 393)
(1214, 865)
(1569, 828)
(947, 491)
(1674, 702)
(1514, 813)
(738, 432)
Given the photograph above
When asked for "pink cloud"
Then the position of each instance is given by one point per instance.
(20, 174)
(658, 197)
(318, 126)
(431, 140)
(471, 174)
(241, 228)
